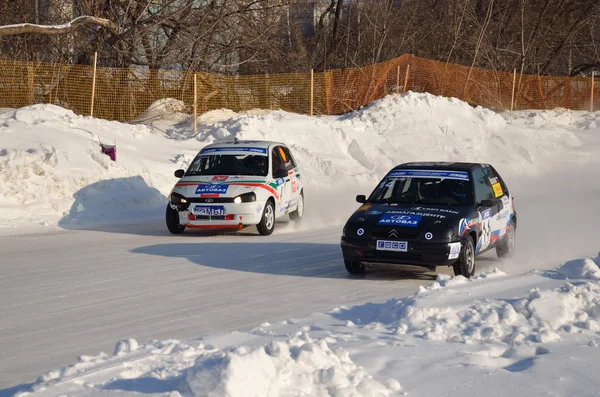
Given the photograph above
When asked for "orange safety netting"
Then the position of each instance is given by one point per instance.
(125, 93)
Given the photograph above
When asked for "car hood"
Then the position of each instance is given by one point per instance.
(218, 186)
(414, 218)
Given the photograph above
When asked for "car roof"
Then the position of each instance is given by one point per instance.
(236, 143)
(440, 165)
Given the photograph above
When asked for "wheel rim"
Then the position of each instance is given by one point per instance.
(269, 217)
(300, 208)
(470, 258)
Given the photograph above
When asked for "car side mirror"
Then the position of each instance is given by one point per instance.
(488, 203)
(179, 173)
(280, 173)
(361, 198)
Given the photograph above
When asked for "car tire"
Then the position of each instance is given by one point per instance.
(172, 218)
(354, 267)
(506, 247)
(267, 223)
(299, 212)
(465, 266)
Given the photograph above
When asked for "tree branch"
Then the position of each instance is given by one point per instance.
(22, 28)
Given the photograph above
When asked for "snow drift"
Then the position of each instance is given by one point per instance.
(482, 331)
(52, 171)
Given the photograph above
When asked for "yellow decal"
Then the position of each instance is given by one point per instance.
(364, 207)
(497, 189)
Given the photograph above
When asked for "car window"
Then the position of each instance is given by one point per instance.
(483, 188)
(414, 187)
(291, 163)
(278, 162)
(494, 174)
(229, 164)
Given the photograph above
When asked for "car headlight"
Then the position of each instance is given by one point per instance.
(177, 198)
(245, 198)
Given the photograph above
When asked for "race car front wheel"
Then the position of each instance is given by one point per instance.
(354, 267)
(267, 222)
(507, 246)
(172, 218)
(465, 266)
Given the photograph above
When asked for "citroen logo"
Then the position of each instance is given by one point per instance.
(393, 233)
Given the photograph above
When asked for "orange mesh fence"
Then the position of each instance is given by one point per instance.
(124, 94)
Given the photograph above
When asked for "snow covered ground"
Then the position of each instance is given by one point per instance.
(529, 326)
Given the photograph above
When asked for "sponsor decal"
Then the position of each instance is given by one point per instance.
(454, 250)
(259, 208)
(398, 246)
(360, 231)
(280, 181)
(486, 214)
(497, 190)
(493, 180)
(436, 210)
(465, 224)
(221, 150)
(209, 210)
(218, 179)
(420, 214)
(293, 186)
(502, 215)
(211, 189)
(400, 220)
(460, 175)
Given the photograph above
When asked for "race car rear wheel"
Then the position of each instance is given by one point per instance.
(172, 218)
(465, 266)
(507, 246)
(299, 212)
(267, 222)
(354, 267)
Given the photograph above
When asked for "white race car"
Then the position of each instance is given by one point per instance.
(234, 184)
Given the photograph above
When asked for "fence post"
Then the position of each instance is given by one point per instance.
(398, 80)
(512, 98)
(406, 77)
(94, 85)
(592, 94)
(312, 87)
(195, 102)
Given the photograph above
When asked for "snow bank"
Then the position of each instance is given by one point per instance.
(431, 342)
(57, 152)
(299, 366)
(538, 317)
(580, 269)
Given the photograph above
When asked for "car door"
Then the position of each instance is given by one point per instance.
(282, 179)
(501, 219)
(291, 168)
(484, 197)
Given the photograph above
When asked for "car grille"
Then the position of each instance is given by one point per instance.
(210, 217)
(210, 200)
(402, 234)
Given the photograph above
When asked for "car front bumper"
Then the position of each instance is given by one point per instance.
(428, 255)
(232, 216)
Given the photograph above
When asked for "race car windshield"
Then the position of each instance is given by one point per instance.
(442, 191)
(229, 164)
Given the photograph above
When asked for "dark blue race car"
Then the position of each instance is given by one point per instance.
(431, 214)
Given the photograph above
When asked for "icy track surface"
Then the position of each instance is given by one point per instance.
(71, 288)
